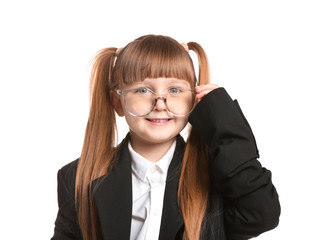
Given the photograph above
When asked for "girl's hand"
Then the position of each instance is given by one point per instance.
(203, 90)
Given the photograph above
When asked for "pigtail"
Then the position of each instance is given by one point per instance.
(193, 188)
(98, 147)
(204, 71)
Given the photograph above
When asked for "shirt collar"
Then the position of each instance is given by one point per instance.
(140, 165)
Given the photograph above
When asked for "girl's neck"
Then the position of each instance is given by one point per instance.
(151, 151)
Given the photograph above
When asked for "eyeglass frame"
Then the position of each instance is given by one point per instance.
(123, 92)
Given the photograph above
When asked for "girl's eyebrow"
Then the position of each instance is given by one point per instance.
(168, 82)
(153, 86)
(179, 82)
(136, 84)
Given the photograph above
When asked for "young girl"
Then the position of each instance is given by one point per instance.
(153, 185)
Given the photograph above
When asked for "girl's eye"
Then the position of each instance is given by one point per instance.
(174, 90)
(143, 90)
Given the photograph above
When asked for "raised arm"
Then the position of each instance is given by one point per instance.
(250, 200)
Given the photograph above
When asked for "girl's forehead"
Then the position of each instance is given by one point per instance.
(162, 81)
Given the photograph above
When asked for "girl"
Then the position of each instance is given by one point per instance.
(153, 185)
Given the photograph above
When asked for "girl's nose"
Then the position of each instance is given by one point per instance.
(160, 104)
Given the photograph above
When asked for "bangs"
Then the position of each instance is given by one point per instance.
(154, 57)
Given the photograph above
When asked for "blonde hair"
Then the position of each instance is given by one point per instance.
(149, 56)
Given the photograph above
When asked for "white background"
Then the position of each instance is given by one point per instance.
(270, 55)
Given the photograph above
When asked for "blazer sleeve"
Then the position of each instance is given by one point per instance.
(66, 224)
(250, 200)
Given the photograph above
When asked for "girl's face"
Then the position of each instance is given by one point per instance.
(159, 126)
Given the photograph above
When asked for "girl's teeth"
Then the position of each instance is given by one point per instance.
(159, 120)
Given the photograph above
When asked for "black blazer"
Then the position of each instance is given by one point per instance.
(242, 202)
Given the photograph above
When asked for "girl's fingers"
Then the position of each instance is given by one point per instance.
(203, 93)
(203, 90)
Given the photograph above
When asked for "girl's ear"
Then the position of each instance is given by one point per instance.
(116, 102)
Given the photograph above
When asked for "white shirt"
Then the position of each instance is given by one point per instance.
(148, 184)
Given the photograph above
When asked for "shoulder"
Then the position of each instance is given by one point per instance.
(67, 176)
(66, 225)
(69, 168)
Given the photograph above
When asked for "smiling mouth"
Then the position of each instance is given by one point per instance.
(159, 120)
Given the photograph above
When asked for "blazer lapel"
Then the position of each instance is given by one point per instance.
(171, 220)
(113, 197)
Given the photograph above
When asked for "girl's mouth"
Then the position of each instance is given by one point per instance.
(159, 121)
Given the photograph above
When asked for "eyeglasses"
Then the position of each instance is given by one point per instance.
(141, 101)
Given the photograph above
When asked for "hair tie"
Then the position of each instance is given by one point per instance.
(185, 46)
(116, 55)
(118, 50)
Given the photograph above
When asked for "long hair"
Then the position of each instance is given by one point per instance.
(150, 56)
